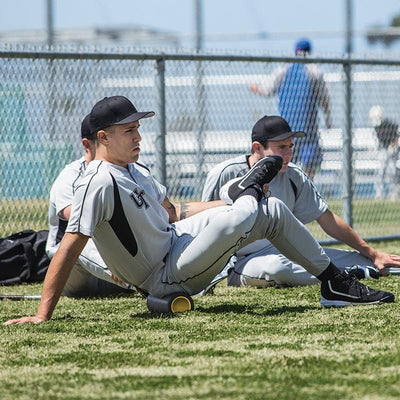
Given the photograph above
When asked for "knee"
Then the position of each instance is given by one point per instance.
(259, 272)
(241, 219)
(282, 275)
(277, 270)
(266, 268)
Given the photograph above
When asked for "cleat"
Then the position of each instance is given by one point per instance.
(345, 290)
(262, 172)
(364, 271)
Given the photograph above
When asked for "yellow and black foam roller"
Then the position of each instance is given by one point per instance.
(173, 303)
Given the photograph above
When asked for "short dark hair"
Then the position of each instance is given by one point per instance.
(110, 129)
(85, 128)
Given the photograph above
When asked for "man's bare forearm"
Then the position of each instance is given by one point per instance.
(335, 227)
(55, 280)
(185, 210)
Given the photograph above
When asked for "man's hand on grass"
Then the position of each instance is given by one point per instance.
(383, 260)
(25, 320)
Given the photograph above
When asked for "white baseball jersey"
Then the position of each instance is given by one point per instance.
(61, 195)
(121, 210)
(293, 187)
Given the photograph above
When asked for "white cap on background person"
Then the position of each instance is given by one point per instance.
(375, 115)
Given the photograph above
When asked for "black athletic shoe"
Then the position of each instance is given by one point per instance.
(364, 271)
(262, 172)
(345, 290)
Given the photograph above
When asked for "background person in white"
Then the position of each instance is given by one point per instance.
(261, 264)
(125, 210)
(90, 276)
(387, 174)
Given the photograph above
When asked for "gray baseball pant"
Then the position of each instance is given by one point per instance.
(90, 276)
(268, 266)
(202, 244)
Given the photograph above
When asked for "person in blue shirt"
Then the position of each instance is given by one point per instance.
(301, 92)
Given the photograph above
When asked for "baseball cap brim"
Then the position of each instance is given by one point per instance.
(135, 117)
(287, 135)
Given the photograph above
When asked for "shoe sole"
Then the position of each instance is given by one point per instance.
(393, 270)
(325, 303)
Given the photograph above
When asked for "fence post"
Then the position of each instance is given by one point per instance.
(200, 128)
(348, 149)
(160, 165)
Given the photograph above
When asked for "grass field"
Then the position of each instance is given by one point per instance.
(371, 217)
(240, 343)
(17, 215)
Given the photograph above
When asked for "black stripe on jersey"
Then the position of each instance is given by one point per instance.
(294, 187)
(143, 166)
(120, 225)
(246, 166)
(310, 181)
(62, 226)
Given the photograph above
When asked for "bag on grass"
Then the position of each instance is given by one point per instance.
(23, 257)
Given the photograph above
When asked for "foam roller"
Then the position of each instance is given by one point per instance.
(173, 303)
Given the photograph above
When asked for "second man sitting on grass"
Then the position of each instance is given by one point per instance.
(262, 264)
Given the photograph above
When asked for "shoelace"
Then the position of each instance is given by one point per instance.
(267, 169)
(260, 176)
(353, 283)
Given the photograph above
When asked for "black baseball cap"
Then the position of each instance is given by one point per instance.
(115, 110)
(273, 128)
(86, 132)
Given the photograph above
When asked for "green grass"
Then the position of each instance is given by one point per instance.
(371, 217)
(17, 215)
(240, 343)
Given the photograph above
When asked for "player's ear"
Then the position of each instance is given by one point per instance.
(85, 143)
(256, 146)
(102, 137)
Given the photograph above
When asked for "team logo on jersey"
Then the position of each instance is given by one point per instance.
(137, 197)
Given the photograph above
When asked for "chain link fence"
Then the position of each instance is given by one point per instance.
(205, 110)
